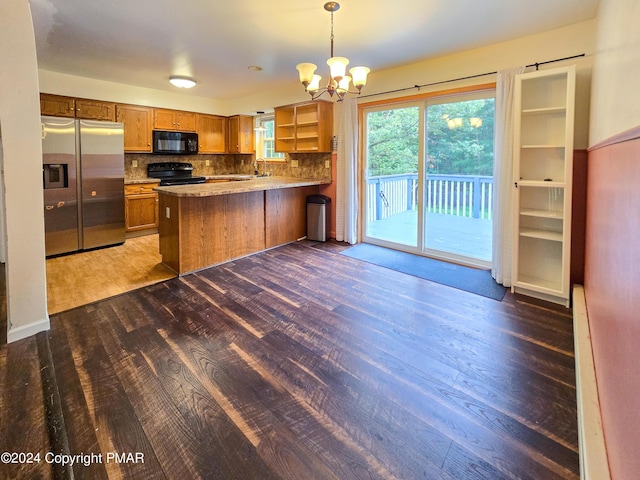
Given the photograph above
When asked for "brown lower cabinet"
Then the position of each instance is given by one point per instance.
(141, 209)
(197, 232)
(285, 211)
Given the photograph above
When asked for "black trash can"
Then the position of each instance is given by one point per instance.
(318, 216)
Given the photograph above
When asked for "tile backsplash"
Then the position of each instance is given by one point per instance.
(309, 165)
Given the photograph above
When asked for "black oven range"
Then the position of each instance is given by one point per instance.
(173, 173)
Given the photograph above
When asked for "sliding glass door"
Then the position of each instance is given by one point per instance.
(428, 181)
(393, 161)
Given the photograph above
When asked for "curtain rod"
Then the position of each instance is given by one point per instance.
(537, 64)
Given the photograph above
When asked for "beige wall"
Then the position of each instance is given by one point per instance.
(571, 40)
(22, 164)
(74, 86)
(82, 87)
(562, 42)
(559, 43)
(615, 104)
(612, 278)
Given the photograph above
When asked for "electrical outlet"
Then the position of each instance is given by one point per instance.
(327, 164)
(167, 212)
(294, 163)
(134, 163)
(207, 163)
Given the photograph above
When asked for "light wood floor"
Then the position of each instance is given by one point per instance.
(83, 278)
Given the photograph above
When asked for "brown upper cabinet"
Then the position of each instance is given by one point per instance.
(137, 127)
(95, 110)
(61, 106)
(211, 133)
(304, 127)
(216, 134)
(240, 134)
(57, 105)
(164, 119)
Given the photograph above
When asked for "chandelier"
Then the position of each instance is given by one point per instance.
(338, 81)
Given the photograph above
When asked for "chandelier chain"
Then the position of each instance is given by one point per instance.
(331, 34)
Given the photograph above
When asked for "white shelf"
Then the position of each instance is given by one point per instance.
(542, 213)
(540, 184)
(544, 285)
(544, 127)
(545, 110)
(541, 234)
(543, 146)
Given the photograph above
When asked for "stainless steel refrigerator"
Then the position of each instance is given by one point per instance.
(83, 179)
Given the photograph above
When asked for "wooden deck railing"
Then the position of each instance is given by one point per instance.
(460, 195)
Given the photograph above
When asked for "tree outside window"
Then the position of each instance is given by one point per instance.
(265, 140)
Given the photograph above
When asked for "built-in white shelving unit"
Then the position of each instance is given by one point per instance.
(543, 165)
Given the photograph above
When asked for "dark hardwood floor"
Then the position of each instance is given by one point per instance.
(296, 363)
(3, 304)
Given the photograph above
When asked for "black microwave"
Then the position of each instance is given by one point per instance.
(174, 143)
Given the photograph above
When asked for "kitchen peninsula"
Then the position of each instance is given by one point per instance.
(208, 224)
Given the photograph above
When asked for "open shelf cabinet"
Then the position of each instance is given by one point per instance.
(543, 165)
(304, 127)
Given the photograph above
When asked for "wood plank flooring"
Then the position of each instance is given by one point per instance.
(299, 363)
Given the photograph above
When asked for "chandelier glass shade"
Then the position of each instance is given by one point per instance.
(339, 82)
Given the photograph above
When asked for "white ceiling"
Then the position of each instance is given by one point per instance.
(143, 42)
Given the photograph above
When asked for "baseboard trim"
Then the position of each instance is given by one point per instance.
(593, 453)
(24, 331)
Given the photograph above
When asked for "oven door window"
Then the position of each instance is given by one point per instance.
(170, 145)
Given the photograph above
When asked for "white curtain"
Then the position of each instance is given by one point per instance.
(503, 177)
(347, 178)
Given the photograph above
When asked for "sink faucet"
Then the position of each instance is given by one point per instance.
(264, 166)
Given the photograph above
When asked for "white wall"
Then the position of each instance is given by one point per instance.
(615, 103)
(22, 159)
(81, 87)
(562, 42)
(20, 109)
(559, 43)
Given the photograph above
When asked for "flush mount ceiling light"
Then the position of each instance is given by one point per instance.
(182, 82)
(338, 81)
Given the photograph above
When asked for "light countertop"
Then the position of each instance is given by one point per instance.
(231, 176)
(238, 184)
